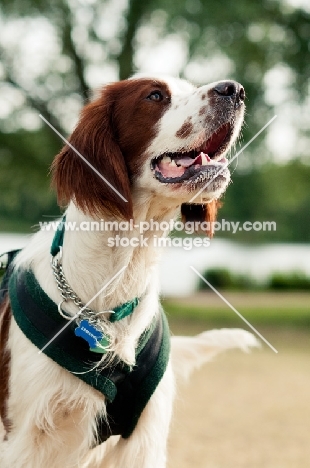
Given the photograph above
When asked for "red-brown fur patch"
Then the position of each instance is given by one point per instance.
(5, 358)
(112, 134)
(201, 213)
(185, 130)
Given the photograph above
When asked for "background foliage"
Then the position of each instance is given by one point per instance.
(54, 53)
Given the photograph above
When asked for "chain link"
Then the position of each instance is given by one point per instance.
(67, 293)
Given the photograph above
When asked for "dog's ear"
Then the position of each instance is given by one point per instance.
(76, 180)
(201, 213)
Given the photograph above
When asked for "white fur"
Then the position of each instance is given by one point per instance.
(53, 413)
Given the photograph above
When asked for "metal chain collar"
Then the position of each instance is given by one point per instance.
(67, 293)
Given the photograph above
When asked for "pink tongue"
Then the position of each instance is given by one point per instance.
(178, 169)
(185, 161)
(201, 159)
(168, 170)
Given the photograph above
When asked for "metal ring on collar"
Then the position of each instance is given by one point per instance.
(63, 313)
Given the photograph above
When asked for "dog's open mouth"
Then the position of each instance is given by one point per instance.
(197, 163)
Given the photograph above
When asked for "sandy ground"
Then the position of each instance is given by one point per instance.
(247, 411)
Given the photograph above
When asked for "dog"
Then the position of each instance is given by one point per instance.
(141, 150)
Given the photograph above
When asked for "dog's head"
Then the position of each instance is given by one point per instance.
(159, 135)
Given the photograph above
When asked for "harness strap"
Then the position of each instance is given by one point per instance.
(127, 390)
(8, 268)
(136, 389)
(58, 237)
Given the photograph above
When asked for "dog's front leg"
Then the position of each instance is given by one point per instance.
(52, 413)
(60, 446)
(147, 446)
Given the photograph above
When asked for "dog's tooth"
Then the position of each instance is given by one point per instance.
(172, 163)
(166, 159)
(202, 159)
(205, 159)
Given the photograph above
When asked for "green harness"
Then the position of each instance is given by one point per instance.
(126, 389)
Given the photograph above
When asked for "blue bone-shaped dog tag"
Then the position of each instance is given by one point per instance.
(95, 338)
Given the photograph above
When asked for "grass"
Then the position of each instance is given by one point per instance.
(263, 309)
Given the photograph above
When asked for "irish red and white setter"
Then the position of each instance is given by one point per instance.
(158, 141)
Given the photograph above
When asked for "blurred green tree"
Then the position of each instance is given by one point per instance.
(54, 53)
(278, 193)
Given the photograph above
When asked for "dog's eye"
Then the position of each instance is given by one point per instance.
(155, 96)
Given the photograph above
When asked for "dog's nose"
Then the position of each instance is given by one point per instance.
(230, 89)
